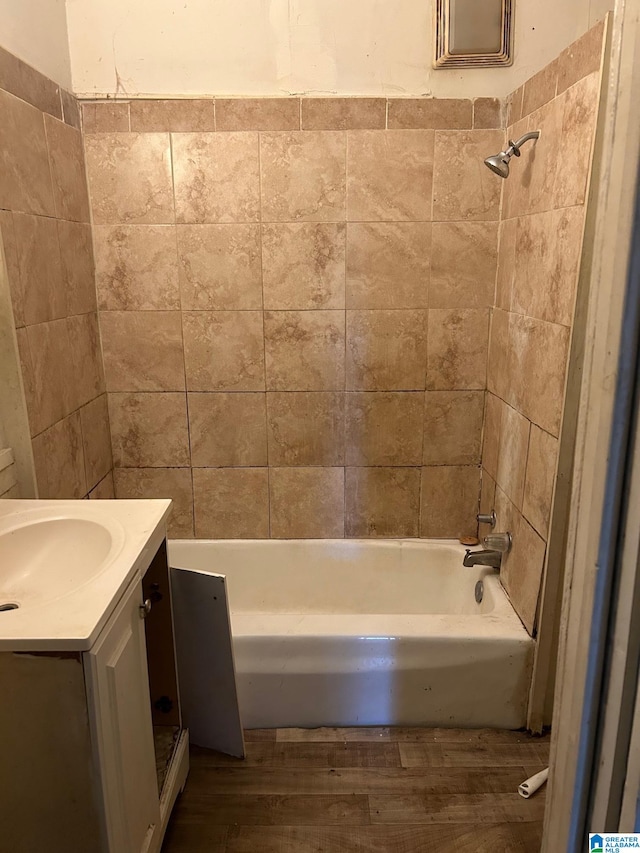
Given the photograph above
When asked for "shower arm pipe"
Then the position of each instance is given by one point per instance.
(514, 147)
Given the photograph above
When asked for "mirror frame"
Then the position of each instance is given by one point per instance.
(445, 59)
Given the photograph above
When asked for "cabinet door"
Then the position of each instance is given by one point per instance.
(119, 693)
(206, 668)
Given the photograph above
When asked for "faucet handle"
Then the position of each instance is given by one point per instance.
(498, 542)
(487, 518)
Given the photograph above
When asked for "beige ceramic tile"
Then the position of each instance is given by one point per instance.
(463, 188)
(553, 171)
(8, 237)
(382, 502)
(344, 113)
(228, 430)
(386, 350)
(430, 113)
(76, 254)
(96, 440)
(151, 483)
(105, 490)
(231, 503)
(449, 501)
(506, 513)
(149, 430)
(487, 113)
(41, 282)
(181, 114)
(531, 179)
(224, 350)
(303, 265)
(540, 480)
(384, 428)
(45, 353)
(25, 177)
(388, 264)
(40, 466)
(64, 459)
(29, 85)
(581, 58)
(68, 174)
(304, 350)
(452, 427)
(389, 175)
(70, 109)
(105, 117)
(86, 358)
(258, 113)
(522, 572)
(547, 261)
(142, 350)
(38, 420)
(216, 177)
(305, 428)
(506, 263)
(130, 178)
(514, 106)
(463, 264)
(303, 176)
(491, 434)
(538, 354)
(540, 89)
(574, 150)
(457, 349)
(307, 503)
(487, 502)
(500, 375)
(136, 267)
(220, 267)
(512, 454)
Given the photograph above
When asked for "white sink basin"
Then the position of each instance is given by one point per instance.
(65, 564)
(48, 558)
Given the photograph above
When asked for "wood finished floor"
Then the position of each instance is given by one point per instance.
(371, 790)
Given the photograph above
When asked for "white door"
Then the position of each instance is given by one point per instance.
(119, 694)
(206, 668)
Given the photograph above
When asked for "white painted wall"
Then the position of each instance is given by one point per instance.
(36, 31)
(269, 47)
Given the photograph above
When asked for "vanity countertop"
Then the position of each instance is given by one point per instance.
(64, 565)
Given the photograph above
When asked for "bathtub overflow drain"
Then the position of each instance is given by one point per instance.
(479, 592)
(10, 605)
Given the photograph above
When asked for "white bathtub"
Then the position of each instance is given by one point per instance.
(361, 632)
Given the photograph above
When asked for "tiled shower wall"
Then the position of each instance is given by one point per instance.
(44, 223)
(294, 303)
(541, 235)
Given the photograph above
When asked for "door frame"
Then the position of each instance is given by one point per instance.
(608, 286)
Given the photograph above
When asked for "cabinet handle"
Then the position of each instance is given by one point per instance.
(145, 608)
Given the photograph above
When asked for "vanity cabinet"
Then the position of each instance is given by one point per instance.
(120, 704)
(81, 768)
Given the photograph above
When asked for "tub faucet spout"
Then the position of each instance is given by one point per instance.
(483, 558)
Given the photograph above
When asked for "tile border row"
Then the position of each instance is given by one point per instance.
(141, 115)
(25, 82)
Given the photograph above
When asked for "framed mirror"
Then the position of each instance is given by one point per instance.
(473, 33)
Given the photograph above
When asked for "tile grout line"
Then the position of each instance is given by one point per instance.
(345, 348)
(184, 363)
(264, 338)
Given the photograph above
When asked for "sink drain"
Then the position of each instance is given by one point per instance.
(9, 605)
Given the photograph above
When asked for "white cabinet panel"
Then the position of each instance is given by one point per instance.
(122, 716)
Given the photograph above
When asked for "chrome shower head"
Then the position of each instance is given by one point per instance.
(499, 163)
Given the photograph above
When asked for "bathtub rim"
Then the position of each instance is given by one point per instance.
(488, 624)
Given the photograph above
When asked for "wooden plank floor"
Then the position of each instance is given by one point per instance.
(370, 790)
